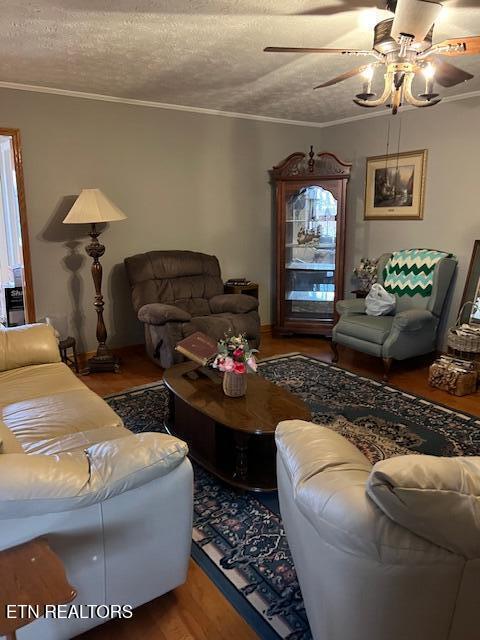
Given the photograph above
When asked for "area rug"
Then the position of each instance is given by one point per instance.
(238, 538)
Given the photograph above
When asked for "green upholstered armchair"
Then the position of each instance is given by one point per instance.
(412, 329)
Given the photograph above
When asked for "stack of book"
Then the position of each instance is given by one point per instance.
(237, 282)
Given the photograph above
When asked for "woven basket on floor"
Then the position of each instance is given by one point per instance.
(464, 344)
(234, 384)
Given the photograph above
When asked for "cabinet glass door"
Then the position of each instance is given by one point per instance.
(310, 244)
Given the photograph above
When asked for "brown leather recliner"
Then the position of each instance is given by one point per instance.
(176, 293)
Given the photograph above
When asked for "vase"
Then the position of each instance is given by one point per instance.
(234, 384)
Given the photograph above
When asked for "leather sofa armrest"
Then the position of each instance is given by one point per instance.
(436, 498)
(308, 449)
(328, 477)
(351, 306)
(158, 313)
(233, 303)
(38, 484)
(412, 319)
(27, 345)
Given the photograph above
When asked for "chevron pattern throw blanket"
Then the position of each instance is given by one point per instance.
(410, 272)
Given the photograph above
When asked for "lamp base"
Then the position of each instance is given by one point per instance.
(103, 363)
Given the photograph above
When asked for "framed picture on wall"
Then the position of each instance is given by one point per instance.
(395, 186)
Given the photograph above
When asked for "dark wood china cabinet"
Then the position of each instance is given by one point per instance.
(310, 203)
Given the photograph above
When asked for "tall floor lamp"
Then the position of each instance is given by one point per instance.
(92, 207)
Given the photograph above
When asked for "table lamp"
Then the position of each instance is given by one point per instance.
(92, 207)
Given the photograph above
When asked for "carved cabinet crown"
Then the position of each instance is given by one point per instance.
(300, 165)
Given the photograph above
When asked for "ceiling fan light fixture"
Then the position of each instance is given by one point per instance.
(428, 71)
(364, 96)
(428, 96)
(414, 18)
(403, 46)
(368, 73)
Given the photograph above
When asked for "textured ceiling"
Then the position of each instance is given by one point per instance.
(205, 53)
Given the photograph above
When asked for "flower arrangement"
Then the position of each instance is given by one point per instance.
(235, 356)
(366, 273)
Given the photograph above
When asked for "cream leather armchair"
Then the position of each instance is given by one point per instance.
(384, 553)
(116, 507)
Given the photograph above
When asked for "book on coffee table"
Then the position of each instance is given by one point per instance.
(198, 347)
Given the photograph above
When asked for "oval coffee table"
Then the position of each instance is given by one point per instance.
(233, 438)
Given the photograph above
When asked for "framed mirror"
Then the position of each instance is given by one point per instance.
(470, 313)
(17, 304)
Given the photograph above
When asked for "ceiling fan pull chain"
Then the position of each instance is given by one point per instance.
(399, 138)
(398, 153)
(388, 146)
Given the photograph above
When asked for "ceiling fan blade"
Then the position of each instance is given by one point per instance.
(346, 75)
(447, 75)
(359, 52)
(461, 4)
(415, 18)
(343, 6)
(468, 46)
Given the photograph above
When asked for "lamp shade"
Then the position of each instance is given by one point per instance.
(93, 206)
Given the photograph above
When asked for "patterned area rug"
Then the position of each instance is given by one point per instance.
(238, 539)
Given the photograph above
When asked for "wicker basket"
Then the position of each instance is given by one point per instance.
(465, 345)
(234, 384)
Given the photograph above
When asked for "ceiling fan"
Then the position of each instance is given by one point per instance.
(403, 45)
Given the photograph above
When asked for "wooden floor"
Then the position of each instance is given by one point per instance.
(197, 610)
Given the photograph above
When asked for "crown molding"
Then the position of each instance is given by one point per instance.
(153, 104)
(217, 112)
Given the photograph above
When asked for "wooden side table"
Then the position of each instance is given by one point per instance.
(250, 289)
(31, 574)
(64, 345)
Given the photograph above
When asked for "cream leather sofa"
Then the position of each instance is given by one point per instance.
(116, 507)
(384, 553)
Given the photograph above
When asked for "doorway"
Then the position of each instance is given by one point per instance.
(16, 292)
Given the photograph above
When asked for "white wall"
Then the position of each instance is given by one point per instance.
(451, 133)
(185, 181)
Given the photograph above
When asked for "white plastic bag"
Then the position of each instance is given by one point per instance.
(379, 302)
